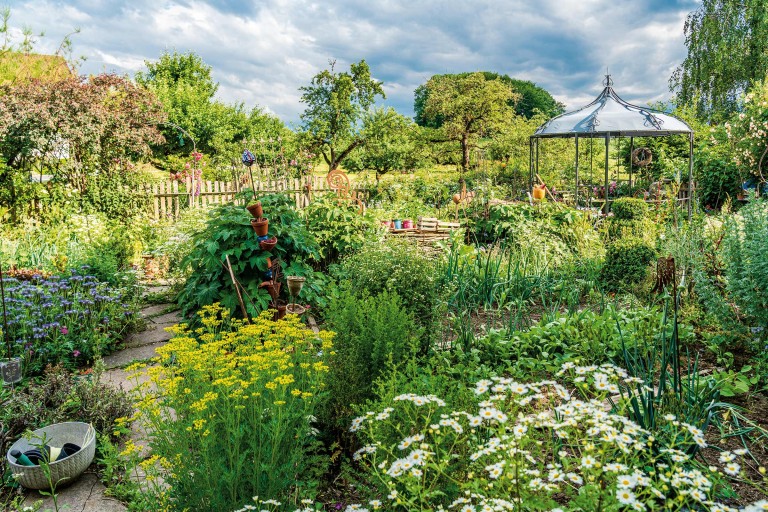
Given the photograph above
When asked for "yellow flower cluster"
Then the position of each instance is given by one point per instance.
(208, 384)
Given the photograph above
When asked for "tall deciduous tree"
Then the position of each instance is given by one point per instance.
(468, 107)
(727, 53)
(391, 143)
(184, 85)
(336, 103)
(533, 99)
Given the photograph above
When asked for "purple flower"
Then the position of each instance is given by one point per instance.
(64, 330)
(76, 353)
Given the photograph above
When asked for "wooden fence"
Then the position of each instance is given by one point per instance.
(169, 198)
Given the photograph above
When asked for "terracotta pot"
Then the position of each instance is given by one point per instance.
(256, 210)
(272, 287)
(260, 226)
(280, 307)
(269, 244)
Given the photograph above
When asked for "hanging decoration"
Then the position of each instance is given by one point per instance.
(642, 157)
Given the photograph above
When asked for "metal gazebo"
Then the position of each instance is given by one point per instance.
(609, 116)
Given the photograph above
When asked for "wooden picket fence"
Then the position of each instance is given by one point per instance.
(170, 198)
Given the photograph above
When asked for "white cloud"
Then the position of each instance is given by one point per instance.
(262, 52)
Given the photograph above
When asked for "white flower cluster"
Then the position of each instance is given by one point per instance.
(504, 446)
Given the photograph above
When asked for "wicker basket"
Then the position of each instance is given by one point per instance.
(64, 471)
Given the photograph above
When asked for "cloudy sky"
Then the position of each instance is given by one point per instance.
(262, 51)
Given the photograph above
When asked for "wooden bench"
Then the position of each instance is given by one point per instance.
(429, 230)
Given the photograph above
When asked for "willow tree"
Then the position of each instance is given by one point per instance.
(467, 107)
(726, 55)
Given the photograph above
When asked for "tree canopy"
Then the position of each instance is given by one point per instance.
(336, 103)
(184, 85)
(532, 99)
(466, 107)
(390, 143)
(81, 131)
(726, 55)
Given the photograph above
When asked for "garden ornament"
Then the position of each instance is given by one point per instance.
(248, 158)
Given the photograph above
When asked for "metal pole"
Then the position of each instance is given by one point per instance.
(576, 191)
(537, 159)
(690, 175)
(5, 314)
(631, 152)
(607, 144)
(530, 164)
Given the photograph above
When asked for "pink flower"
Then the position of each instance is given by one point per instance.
(76, 353)
(64, 330)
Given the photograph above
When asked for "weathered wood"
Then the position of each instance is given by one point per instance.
(169, 198)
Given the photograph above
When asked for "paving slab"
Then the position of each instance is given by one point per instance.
(119, 378)
(125, 357)
(86, 494)
(156, 289)
(156, 310)
(171, 318)
(156, 334)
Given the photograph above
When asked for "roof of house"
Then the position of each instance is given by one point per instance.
(16, 66)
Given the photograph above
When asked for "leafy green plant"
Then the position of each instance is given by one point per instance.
(338, 227)
(629, 208)
(626, 262)
(663, 386)
(718, 177)
(745, 262)
(228, 233)
(557, 232)
(400, 267)
(732, 383)
(584, 336)
(372, 330)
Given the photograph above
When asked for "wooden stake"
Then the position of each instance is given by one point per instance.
(237, 289)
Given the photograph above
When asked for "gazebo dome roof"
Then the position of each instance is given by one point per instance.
(610, 115)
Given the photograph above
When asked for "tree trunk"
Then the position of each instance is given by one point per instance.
(465, 151)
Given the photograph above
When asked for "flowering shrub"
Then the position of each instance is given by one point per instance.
(749, 130)
(534, 446)
(229, 410)
(67, 319)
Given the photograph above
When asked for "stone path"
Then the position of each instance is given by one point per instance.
(86, 494)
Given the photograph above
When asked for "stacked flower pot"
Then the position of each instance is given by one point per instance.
(271, 282)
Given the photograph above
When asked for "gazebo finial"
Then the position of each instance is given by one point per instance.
(608, 81)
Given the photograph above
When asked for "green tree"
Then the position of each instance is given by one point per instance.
(532, 99)
(184, 85)
(726, 54)
(336, 104)
(467, 107)
(390, 144)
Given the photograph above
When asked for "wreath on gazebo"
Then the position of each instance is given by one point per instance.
(642, 157)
